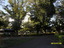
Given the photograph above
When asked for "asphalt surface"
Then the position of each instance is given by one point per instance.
(40, 42)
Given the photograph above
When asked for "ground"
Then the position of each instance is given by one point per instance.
(40, 42)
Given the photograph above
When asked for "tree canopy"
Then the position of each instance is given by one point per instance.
(41, 13)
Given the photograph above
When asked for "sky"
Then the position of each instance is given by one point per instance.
(1, 7)
(57, 3)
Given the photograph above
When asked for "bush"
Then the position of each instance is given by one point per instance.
(62, 40)
(61, 33)
(60, 37)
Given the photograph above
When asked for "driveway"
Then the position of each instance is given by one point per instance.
(40, 42)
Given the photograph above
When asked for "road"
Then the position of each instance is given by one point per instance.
(40, 42)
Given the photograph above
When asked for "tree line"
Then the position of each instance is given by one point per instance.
(41, 13)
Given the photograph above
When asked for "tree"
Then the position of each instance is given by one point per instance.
(60, 15)
(16, 11)
(3, 21)
(44, 10)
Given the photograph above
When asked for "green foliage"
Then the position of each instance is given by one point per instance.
(44, 8)
(15, 25)
(62, 13)
(43, 11)
(3, 21)
(16, 11)
(3, 24)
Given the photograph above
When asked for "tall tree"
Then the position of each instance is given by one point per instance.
(44, 10)
(16, 11)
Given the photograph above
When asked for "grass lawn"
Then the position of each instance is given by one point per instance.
(14, 41)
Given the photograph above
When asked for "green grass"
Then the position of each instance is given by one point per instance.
(60, 37)
(13, 42)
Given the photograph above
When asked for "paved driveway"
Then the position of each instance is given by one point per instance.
(40, 42)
